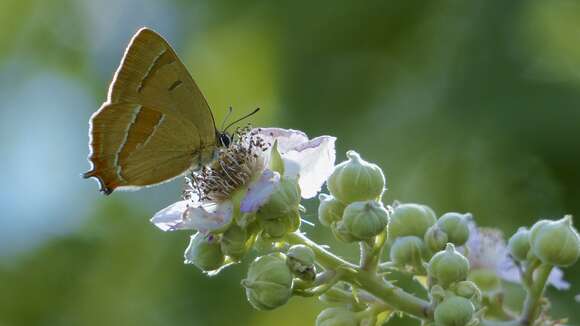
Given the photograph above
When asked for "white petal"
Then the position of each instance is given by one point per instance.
(556, 279)
(173, 217)
(312, 162)
(287, 139)
(211, 216)
(260, 191)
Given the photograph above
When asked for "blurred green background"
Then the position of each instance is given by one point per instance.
(467, 106)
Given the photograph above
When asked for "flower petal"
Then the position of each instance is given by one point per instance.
(556, 279)
(173, 217)
(259, 192)
(210, 217)
(288, 139)
(312, 162)
(487, 249)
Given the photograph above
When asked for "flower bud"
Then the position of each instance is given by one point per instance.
(300, 260)
(448, 266)
(341, 233)
(356, 180)
(410, 219)
(269, 282)
(204, 252)
(435, 238)
(277, 228)
(486, 279)
(330, 209)
(555, 242)
(234, 242)
(455, 226)
(285, 200)
(454, 311)
(337, 316)
(408, 251)
(467, 289)
(364, 219)
(519, 244)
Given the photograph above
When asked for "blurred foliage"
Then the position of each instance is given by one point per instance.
(467, 106)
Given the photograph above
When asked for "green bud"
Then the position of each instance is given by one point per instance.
(269, 282)
(204, 252)
(487, 280)
(455, 226)
(448, 266)
(330, 209)
(234, 242)
(337, 316)
(284, 201)
(555, 242)
(363, 219)
(279, 227)
(435, 238)
(356, 180)
(410, 219)
(300, 260)
(519, 244)
(454, 311)
(341, 233)
(467, 289)
(408, 251)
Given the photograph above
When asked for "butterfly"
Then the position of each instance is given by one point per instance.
(155, 124)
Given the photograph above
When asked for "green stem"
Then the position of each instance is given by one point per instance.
(367, 280)
(324, 257)
(535, 292)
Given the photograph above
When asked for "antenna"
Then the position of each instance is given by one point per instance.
(242, 118)
(226, 118)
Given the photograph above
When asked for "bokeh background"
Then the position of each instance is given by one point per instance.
(467, 105)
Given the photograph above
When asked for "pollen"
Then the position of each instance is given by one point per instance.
(233, 169)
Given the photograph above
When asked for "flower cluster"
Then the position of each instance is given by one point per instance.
(251, 191)
(249, 198)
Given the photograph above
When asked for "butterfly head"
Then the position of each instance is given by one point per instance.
(224, 139)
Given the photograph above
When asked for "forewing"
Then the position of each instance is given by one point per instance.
(136, 146)
(152, 75)
(155, 124)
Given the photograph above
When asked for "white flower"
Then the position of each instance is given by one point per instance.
(487, 249)
(242, 168)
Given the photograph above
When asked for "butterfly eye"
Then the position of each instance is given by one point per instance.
(225, 140)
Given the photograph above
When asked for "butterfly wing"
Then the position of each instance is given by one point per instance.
(155, 124)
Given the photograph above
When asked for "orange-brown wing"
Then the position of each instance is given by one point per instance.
(155, 124)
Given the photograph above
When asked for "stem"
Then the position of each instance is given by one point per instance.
(367, 280)
(392, 295)
(325, 258)
(535, 292)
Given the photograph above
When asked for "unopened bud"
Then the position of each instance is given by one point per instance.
(277, 228)
(556, 242)
(454, 311)
(204, 252)
(356, 180)
(284, 200)
(519, 244)
(410, 219)
(435, 238)
(364, 220)
(269, 282)
(330, 209)
(455, 225)
(408, 251)
(448, 266)
(234, 242)
(337, 316)
(300, 260)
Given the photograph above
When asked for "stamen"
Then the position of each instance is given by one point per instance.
(234, 168)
